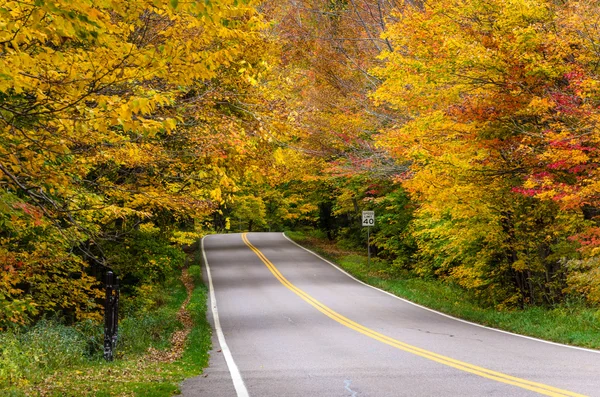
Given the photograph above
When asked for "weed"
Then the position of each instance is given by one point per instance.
(28, 355)
(196, 273)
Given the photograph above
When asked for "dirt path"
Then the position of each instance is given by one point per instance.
(179, 337)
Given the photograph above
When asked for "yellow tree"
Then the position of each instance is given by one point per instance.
(482, 85)
(113, 114)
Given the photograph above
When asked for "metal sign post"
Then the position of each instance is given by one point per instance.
(368, 220)
(111, 316)
(368, 248)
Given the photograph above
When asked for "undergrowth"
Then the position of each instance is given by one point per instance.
(54, 359)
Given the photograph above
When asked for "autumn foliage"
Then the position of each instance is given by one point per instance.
(470, 126)
(502, 100)
(120, 119)
(484, 112)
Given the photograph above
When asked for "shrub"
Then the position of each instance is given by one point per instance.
(29, 354)
(137, 333)
(151, 318)
(145, 256)
(584, 279)
(196, 273)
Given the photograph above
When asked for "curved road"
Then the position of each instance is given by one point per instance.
(288, 323)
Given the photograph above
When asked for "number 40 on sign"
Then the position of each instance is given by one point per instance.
(368, 218)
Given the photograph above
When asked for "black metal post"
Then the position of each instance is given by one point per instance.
(111, 316)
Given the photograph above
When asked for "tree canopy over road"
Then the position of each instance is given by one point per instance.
(470, 127)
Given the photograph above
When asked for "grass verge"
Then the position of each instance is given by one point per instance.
(51, 359)
(572, 324)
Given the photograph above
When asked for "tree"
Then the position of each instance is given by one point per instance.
(493, 99)
(114, 115)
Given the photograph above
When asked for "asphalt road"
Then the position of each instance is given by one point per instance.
(291, 324)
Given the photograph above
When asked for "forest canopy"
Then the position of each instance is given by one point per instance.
(128, 129)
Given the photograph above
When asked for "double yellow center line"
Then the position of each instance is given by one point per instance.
(461, 365)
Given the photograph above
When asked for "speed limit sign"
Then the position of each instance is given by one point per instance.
(368, 218)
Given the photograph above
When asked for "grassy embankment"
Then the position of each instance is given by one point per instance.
(51, 359)
(572, 323)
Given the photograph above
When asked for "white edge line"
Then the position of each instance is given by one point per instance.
(435, 311)
(236, 377)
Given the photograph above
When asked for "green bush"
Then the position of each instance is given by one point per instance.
(142, 299)
(138, 333)
(29, 354)
(196, 273)
(93, 334)
(145, 256)
(151, 318)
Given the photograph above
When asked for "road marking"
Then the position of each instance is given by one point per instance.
(435, 311)
(461, 365)
(236, 377)
(347, 384)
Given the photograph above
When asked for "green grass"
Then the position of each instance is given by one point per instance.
(570, 323)
(57, 360)
(196, 273)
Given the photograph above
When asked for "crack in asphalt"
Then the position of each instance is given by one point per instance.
(449, 335)
(289, 319)
(434, 333)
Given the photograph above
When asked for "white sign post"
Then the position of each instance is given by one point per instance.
(368, 220)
